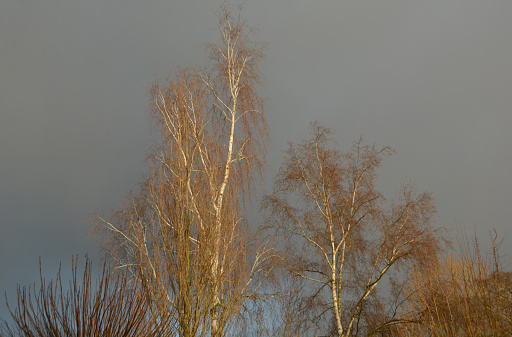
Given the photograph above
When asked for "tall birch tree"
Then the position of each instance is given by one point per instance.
(183, 236)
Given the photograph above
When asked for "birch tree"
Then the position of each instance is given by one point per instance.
(339, 235)
(183, 236)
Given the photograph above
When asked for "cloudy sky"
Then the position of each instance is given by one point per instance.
(432, 79)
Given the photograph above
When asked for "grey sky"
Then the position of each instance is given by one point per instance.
(430, 78)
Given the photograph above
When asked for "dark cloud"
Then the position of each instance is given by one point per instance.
(430, 78)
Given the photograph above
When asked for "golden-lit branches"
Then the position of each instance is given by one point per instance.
(466, 294)
(183, 237)
(339, 235)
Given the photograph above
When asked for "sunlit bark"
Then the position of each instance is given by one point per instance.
(184, 235)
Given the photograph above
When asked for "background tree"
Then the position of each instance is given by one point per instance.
(466, 294)
(338, 234)
(183, 236)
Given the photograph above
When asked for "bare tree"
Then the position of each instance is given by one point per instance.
(111, 308)
(467, 294)
(339, 235)
(184, 237)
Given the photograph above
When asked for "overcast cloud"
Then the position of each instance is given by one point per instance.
(432, 79)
